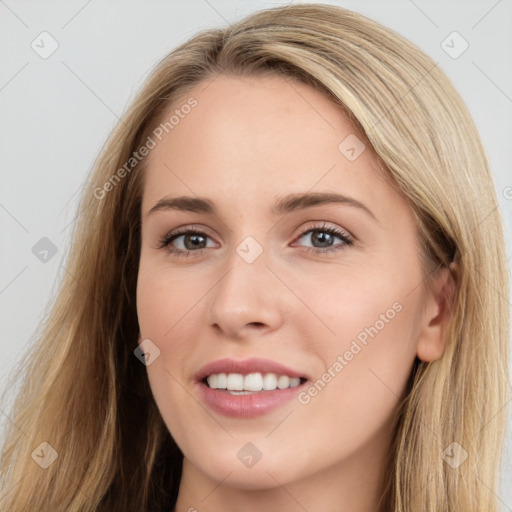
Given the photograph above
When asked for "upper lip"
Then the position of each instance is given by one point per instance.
(246, 366)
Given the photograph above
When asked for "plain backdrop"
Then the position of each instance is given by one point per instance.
(58, 109)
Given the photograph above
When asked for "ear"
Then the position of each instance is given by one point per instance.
(437, 311)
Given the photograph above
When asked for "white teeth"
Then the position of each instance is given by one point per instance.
(235, 382)
(222, 380)
(270, 381)
(251, 382)
(212, 381)
(283, 382)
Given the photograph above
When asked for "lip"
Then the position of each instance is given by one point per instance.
(250, 405)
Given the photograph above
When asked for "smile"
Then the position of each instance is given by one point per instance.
(248, 388)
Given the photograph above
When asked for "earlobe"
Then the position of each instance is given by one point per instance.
(437, 313)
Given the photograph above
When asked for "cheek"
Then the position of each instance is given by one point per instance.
(363, 304)
(165, 309)
(166, 300)
(367, 343)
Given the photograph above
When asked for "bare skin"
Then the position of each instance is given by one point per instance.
(247, 143)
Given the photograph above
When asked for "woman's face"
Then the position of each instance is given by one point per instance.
(268, 275)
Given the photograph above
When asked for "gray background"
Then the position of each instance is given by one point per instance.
(58, 111)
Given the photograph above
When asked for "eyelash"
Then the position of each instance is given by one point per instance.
(165, 242)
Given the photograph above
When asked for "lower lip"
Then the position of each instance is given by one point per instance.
(247, 406)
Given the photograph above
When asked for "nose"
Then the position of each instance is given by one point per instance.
(247, 299)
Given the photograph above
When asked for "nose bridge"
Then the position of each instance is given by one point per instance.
(245, 293)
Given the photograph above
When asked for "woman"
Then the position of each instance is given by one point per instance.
(277, 296)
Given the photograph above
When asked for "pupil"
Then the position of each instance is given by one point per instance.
(321, 238)
(195, 241)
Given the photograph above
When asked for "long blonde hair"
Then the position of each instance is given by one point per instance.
(85, 393)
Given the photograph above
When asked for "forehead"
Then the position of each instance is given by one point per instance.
(251, 139)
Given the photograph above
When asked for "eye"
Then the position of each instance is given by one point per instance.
(324, 237)
(193, 240)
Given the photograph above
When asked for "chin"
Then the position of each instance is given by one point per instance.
(266, 473)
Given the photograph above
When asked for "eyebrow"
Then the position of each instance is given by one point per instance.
(282, 206)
